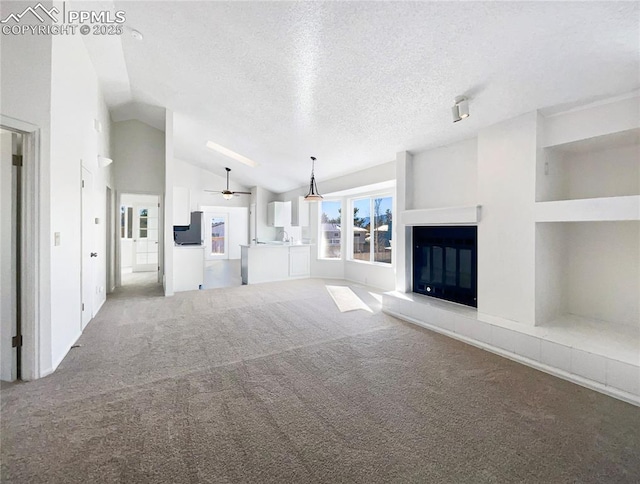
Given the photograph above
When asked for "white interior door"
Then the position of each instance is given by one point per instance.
(88, 249)
(145, 237)
(8, 252)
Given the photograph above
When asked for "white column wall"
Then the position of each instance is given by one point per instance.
(404, 197)
(506, 233)
(169, 170)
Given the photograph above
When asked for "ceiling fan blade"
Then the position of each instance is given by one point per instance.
(213, 191)
(242, 193)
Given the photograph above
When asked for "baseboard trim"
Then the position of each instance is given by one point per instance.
(56, 363)
(99, 307)
(584, 382)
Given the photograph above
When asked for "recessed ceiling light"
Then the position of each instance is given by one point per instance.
(136, 34)
(231, 154)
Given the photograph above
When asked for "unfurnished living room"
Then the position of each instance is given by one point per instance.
(320, 242)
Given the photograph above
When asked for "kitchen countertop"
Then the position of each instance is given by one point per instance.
(276, 245)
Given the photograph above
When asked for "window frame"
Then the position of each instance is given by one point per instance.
(350, 227)
(342, 245)
(128, 226)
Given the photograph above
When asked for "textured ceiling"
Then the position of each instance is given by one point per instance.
(352, 83)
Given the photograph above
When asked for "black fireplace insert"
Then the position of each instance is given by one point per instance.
(445, 263)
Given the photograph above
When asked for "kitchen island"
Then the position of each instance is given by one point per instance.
(271, 262)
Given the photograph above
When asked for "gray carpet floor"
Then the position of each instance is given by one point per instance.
(271, 383)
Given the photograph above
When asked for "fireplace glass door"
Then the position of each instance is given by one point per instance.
(445, 263)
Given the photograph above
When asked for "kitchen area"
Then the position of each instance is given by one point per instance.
(265, 245)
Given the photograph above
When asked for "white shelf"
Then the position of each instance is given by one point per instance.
(616, 341)
(589, 210)
(439, 216)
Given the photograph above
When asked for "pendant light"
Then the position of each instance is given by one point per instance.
(313, 195)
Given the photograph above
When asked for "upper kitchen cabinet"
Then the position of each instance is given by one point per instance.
(279, 214)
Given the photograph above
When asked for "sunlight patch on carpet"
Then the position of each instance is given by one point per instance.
(346, 299)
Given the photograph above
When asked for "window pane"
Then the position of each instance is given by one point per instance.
(217, 235)
(436, 262)
(330, 229)
(450, 266)
(465, 268)
(382, 229)
(361, 232)
(122, 220)
(129, 222)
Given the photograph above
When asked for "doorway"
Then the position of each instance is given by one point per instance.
(10, 254)
(225, 229)
(139, 229)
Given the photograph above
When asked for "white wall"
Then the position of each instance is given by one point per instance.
(603, 271)
(506, 233)
(551, 280)
(446, 176)
(597, 119)
(76, 101)
(169, 171)
(261, 197)
(25, 77)
(197, 180)
(138, 158)
(603, 173)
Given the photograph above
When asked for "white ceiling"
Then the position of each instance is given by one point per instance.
(352, 83)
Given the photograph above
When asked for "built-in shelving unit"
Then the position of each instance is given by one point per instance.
(589, 209)
(587, 215)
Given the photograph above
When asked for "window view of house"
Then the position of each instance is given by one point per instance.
(330, 229)
(217, 235)
(372, 235)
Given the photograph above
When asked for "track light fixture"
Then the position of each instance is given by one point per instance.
(313, 195)
(460, 109)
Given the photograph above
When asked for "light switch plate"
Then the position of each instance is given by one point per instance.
(56, 238)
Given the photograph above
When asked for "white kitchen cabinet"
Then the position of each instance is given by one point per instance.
(188, 267)
(300, 212)
(299, 261)
(270, 262)
(279, 214)
(181, 206)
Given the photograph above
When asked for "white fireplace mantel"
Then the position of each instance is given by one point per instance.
(469, 215)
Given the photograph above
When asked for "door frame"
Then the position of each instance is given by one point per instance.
(34, 264)
(116, 233)
(208, 255)
(87, 271)
(137, 237)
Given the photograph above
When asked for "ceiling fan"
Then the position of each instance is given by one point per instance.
(228, 194)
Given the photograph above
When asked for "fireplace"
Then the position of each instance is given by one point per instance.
(445, 263)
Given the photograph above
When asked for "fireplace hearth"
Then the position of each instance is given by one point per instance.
(445, 263)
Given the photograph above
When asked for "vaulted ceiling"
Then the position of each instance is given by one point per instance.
(352, 83)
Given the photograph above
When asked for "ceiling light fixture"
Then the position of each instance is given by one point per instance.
(231, 154)
(313, 195)
(228, 194)
(460, 109)
(136, 34)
